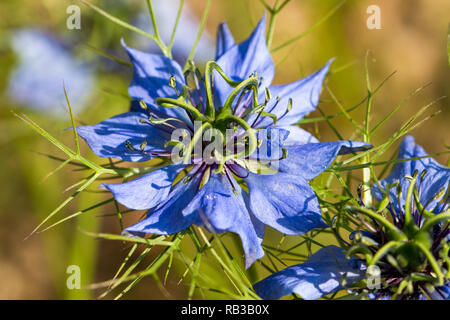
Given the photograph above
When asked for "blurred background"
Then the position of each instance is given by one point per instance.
(38, 52)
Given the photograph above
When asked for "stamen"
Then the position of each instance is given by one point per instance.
(196, 169)
(143, 145)
(162, 127)
(230, 181)
(399, 203)
(143, 105)
(245, 106)
(197, 87)
(394, 214)
(173, 84)
(205, 177)
(234, 168)
(336, 231)
(255, 124)
(236, 106)
(359, 192)
(159, 153)
(289, 108)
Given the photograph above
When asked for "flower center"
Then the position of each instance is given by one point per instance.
(223, 138)
(412, 247)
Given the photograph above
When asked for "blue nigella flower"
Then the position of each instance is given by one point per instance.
(44, 63)
(320, 275)
(260, 179)
(411, 249)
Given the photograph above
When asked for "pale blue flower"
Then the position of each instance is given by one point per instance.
(44, 65)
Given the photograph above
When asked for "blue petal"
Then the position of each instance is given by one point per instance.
(309, 160)
(271, 140)
(297, 136)
(317, 277)
(441, 293)
(304, 93)
(242, 60)
(147, 191)
(168, 217)
(373, 296)
(438, 176)
(217, 206)
(284, 202)
(151, 76)
(107, 139)
(225, 40)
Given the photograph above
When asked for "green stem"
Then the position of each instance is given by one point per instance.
(367, 196)
(210, 67)
(326, 17)
(383, 251)
(173, 103)
(210, 108)
(199, 34)
(434, 264)
(250, 82)
(273, 15)
(408, 201)
(361, 249)
(172, 37)
(386, 223)
(235, 278)
(126, 25)
(75, 134)
(252, 141)
(197, 135)
(157, 39)
(437, 218)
